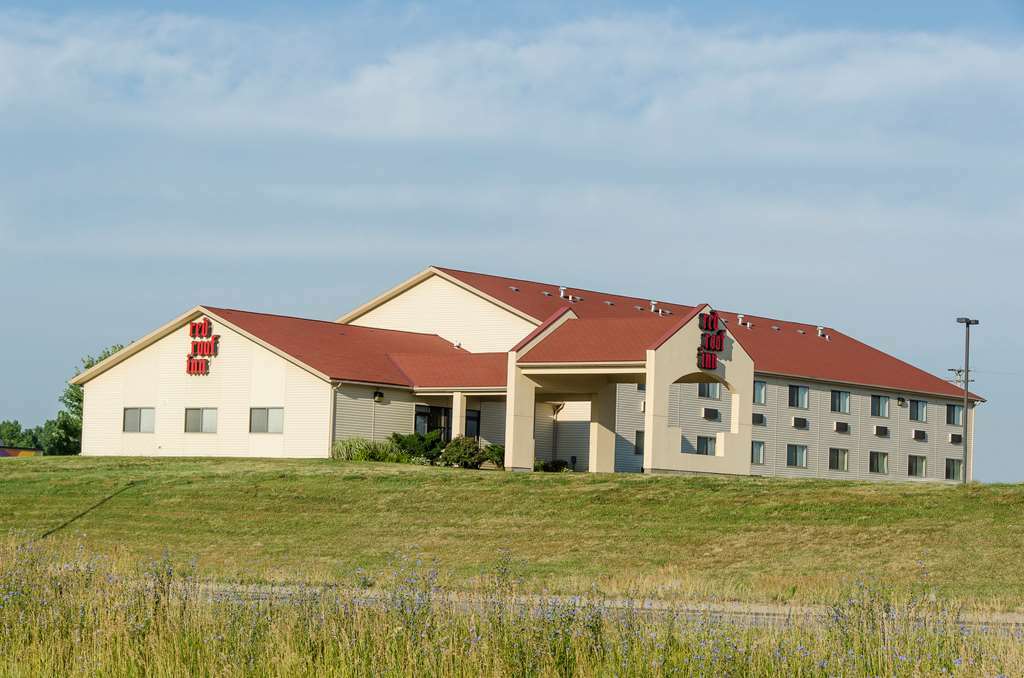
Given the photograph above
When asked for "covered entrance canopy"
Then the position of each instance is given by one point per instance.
(569, 358)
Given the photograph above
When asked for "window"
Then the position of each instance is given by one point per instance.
(917, 466)
(882, 431)
(920, 434)
(138, 420)
(954, 469)
(838, 459)
(798, 396)
(955, 415)
(758, 419)
(918, 410)
(796, 455)
(760, 392)
(266, 420)
(706, 445)
(842, 427)
(638, 442)
(757, 452)
(641, 387)
(711, 414)
(879, 462)
(956, 438)
(709, 390)
(800, 423)
(201, 420)
(473, 423)
(841, 401)
(879, 406)
(422, 422)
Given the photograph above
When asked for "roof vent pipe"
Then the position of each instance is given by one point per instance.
(821, 331)
(561, 293)
(654, 306)
(739, 318)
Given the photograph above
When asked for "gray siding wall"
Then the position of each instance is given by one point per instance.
(629, 418)
(544, 431)
(492, 421)
(356, 415)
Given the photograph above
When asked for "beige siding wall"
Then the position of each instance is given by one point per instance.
(572, 431)
(440, 307)
(244, 375)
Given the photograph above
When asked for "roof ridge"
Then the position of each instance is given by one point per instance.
(317, 320)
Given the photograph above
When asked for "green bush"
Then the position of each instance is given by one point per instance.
(494, 454)
(553, 466)
(361, 449)
(463, 452)
(428, 446)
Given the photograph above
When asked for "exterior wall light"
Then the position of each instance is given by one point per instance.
(378, 396)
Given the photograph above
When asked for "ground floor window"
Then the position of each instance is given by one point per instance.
(473, 423)
(838, 459)
(638, 442)
(266, 420)
(757, 452)
(430, 418)
(201, 420)
(796, 455)
(138, 419)
(706, 445)
(917, 466)
(879, 462)
(954, 469)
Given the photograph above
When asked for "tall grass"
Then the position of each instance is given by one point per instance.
(73, 613)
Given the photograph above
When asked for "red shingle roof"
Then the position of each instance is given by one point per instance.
(776, 346)
(462, 370)
(350, 352)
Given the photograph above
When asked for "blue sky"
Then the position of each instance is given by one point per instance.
(856, 167)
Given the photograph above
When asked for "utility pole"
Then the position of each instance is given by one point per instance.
(966, 322)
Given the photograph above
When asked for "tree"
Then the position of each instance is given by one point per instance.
(63, 435)
(13, 435)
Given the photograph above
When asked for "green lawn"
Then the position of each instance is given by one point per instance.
(744, 538)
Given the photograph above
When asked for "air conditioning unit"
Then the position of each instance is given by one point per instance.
(882, 431)
(758, 419)
(842, 427)
(800, 422)
(920, 435)
(956, 438)
(711, 414)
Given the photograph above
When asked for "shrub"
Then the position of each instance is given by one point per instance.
(463, 452)
(361, 449)
(553, 466)
(428, 446)
(494, 454)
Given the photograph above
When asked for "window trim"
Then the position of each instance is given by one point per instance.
(924, 465)
(845, 458)
(752, 444)
(885, 458)
(268, 431)
(201, 418)
(124, 419)
(796, 447)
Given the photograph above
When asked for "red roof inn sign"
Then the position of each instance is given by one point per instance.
(205, 345)
(712, 340)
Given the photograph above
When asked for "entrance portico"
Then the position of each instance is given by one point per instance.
(567, 358)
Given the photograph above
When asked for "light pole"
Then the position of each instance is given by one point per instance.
(966, 322)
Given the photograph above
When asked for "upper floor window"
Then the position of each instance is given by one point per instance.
(841, 402)
(266, 420)
(796, 455)
(757, 452)
(711, 389)
(760, 392)
(706, 445)
(918, 410)
(955, 415)
(201, 420)
(799, 396)
(138, 419)
(879, 406)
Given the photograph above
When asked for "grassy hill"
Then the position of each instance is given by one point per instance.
(674, 537)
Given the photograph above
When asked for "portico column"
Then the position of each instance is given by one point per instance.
(458, 414)
(519, 412)
(602, 430)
